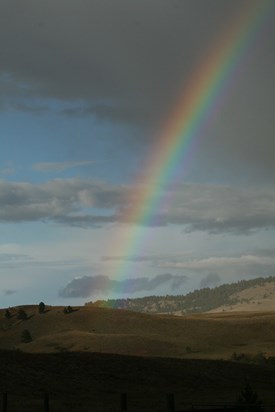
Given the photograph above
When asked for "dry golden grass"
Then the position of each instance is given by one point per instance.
(259, 298)
(89, 329)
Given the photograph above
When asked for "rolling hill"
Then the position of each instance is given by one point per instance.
(85, 358)
(92, 329)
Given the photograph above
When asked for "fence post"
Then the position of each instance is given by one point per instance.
(123, 402)
(5, 402)
(170, 402)
(46, 403)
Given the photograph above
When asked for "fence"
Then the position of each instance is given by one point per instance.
(170, 406)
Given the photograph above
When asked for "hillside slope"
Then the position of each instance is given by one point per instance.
(90, 329)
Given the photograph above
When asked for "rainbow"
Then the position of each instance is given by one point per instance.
(200, 101)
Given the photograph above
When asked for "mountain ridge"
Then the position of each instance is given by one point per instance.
(226, 297)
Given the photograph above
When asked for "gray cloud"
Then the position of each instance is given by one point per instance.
(211, 208)
(8, 292)
(211, 280)
(89, 285)
(58, 200)
(145, 258)
(14, 260)
(244, 265)
(264, 252)
(59, 167)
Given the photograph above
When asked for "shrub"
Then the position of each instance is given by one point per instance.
(26, 336)
(22, 315)
(67, 310)
(7, 314)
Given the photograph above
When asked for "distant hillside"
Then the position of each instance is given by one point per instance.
(252, 295)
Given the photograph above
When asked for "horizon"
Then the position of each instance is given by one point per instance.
(86, 303)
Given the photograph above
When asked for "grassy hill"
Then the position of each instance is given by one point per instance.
(86, 358)
(92, 329)
(246, 295)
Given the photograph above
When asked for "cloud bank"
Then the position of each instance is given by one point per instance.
(84, 203)
(90, 285)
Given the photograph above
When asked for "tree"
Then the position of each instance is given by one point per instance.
(248, 401)
(22, 315)
(26, 336)
(41, 307)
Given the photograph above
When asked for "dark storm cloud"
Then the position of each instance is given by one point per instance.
(84, 203)
(88, 285)
(104, 50)
(127, 61)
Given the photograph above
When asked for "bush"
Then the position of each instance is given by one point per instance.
(7, 314)
(26, 336)
(67, 310)
(21, 315)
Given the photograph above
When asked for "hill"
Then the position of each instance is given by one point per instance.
(246, 295)
(85, 358)
(91, 329)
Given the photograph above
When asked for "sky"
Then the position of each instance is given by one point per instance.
(86, 89)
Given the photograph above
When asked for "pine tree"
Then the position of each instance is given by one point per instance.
(41, 307)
